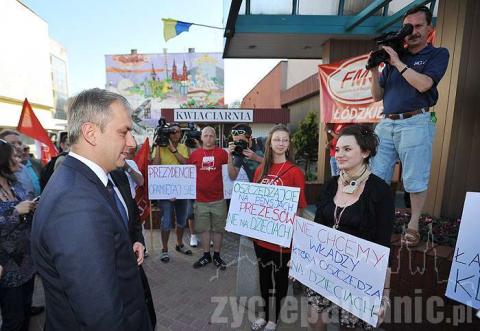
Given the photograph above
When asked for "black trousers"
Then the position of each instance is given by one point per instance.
(273, 272)
(15, 303)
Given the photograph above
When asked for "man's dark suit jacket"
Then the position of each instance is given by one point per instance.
(135, 229)
(82, 251)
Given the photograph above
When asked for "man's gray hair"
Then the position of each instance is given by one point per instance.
(91, 106)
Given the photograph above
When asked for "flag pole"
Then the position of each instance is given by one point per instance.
(151, 226)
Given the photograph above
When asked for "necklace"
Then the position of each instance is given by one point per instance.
(352, 183)
(339, 217)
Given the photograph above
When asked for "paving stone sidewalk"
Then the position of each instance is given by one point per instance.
(196, 299)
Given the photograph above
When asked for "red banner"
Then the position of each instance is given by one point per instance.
(30, 126)
(345, 95)
(141, 197)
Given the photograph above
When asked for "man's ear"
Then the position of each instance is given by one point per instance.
(89, 133)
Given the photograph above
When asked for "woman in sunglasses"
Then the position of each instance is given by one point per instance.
(276, 169)
(17, 271)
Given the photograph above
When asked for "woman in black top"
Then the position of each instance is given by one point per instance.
(356, 202)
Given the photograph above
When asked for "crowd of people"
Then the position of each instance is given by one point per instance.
(84, 236)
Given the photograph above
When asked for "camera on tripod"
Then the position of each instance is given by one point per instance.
(162, 133)
(192, 135)
(392, 39)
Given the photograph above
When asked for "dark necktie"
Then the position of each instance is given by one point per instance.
(118, 203)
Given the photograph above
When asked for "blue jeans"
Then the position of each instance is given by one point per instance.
(180, 207)
(410, 141)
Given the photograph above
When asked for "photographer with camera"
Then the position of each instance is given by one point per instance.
(169, 151)
(244, 152)
(408, 87)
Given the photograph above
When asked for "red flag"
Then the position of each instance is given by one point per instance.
(141, 197)
(30, 126)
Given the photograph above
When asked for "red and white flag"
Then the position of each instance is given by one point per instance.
(141, 197)
(30, 126)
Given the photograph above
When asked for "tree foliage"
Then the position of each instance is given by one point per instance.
(305, 140)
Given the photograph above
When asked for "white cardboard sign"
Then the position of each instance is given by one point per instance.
(172, 181)
(265, 212)
(347, 270)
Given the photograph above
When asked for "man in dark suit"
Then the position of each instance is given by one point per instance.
(122, 183)
(80, 240)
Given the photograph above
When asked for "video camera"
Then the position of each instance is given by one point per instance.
(393, 39)
(192, 135)
(162, 133)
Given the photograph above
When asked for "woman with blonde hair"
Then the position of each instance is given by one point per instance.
(276, 169)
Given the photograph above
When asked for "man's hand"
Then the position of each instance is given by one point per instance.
(231, 147)
(138, 249)
(171, 148)
(249, 154)
(394, 60)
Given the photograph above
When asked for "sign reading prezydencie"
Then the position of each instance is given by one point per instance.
(172, 181)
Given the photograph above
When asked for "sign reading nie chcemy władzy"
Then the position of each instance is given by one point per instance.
(224, 115)
(265, 212)
(464, 280)
(172, 181)
(347, 270)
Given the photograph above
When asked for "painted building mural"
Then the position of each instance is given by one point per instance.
(151, 82)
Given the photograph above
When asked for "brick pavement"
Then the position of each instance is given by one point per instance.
(195, 299)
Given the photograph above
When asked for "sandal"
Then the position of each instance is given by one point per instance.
(411, 237)
(183, 250)
(164, 257)
(258, 324)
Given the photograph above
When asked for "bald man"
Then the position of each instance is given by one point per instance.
(210, 207)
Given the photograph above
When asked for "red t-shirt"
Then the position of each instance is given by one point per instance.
(282, 174)
(209, 173)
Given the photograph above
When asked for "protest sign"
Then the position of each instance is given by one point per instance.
(228, 183)
(264, 212)
(464, 280)
(346, 270)
(172, 181)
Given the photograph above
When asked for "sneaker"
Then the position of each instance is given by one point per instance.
(270, 326)
(164, 257)
(183, 249)
(145, 253)
(193, 241)
(211, 243)
(258, 324)
(203, 261)
(219, 263)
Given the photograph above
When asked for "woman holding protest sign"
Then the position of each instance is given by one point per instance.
(356, 202)
(276, 169)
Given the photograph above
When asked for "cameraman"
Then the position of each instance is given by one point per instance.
(408, 87)
(251, 156)
(174, 153)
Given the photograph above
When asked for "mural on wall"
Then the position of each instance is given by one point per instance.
(151, 82)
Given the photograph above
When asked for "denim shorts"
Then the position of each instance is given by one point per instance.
(410, 141)
(180, 207)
